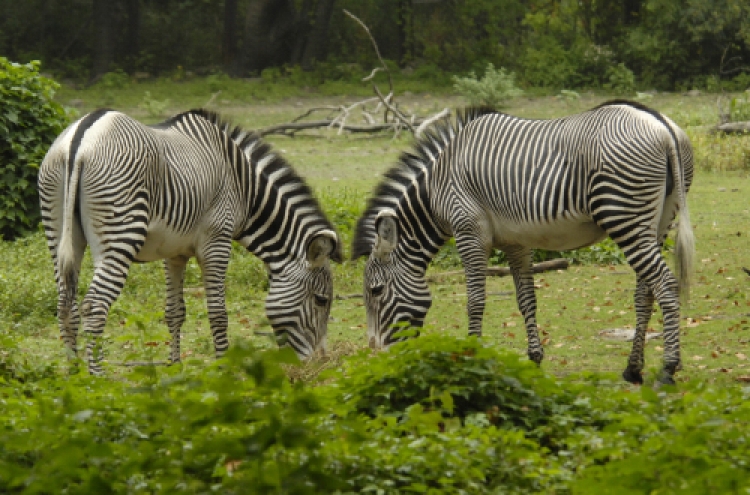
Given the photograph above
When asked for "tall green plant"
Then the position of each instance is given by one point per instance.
(29, 122)
(495, 88)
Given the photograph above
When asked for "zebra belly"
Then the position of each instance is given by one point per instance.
(162, 243)
(561, 235)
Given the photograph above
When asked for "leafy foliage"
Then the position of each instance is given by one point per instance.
(433, 415)
(238, 424)
(494, 89)
(29, 121)
(466, 381)
(739, 108)
(621, 79)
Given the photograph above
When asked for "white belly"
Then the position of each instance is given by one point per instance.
(162, 242)
(562, 235)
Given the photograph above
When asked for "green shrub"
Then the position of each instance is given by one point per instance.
(155, 108)
(694, 442)
(237, 426)
(739, 108)
(621, 79)
(29, 121)
(495, 88)
(466, 380)
(117, 79)
(432, 415)
(547, 65)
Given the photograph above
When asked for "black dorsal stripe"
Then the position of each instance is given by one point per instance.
(84, 126)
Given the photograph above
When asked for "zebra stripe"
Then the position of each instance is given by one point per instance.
(184, 188)
(620, 169)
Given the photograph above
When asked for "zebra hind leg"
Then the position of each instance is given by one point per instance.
(474, 255)
(68, 314)
(174, 270)
(214, 266)
(519, 260)
(651, 268)
(106, 285)
(644, 306)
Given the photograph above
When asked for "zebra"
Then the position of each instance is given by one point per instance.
(491, 180)
(184, 188)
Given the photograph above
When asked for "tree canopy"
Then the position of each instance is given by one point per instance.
(554, 43)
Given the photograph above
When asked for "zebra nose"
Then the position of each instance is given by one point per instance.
(373, 343)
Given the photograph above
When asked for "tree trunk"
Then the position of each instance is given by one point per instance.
(631, 11)
(104, 37)
(316, 47)
(132, 30)
(229, 43)
(302, 27)
(269, 34)
(405, 32)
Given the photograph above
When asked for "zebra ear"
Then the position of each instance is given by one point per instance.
(386, 233)
(322, 247)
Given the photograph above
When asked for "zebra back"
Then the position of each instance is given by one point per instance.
(269, 181)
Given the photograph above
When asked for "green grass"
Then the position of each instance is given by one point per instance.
(574, 305)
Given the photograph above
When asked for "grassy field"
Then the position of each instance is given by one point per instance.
(575, 306)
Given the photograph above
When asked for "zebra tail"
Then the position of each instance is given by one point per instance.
(685, 241)
(66, 265)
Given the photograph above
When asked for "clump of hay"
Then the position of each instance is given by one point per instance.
(309, 370)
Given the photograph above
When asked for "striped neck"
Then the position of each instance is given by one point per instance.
(405, 190)
(282, 214)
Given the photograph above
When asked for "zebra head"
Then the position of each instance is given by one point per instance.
(299, 296)
(395, 292)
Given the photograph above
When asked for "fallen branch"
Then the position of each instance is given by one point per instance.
(292, 127)
(134, 364)
(732, 128)
(431, 120)
(340, 117)
(504, 271)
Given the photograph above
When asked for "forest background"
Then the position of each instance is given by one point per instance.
(646, 44)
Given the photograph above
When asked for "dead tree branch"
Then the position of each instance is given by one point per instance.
(343, 118)
(732, 128)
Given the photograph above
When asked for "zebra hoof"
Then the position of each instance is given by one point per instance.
(96, 371)
(536, 357)
(666, 378)
(633, 376)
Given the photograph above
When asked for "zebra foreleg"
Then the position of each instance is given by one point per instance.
(644, 306)
(174, 270)
(519, 260)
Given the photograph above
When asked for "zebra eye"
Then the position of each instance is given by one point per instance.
(321, 300)
(377, 290)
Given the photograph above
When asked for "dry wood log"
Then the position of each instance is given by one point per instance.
(732, 128)
(291, 127)
(504, 271)
(340, 118)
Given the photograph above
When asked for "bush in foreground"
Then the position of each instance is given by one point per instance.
(432, 415)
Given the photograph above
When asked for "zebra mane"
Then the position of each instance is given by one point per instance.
(255, 148)
(411, 165)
